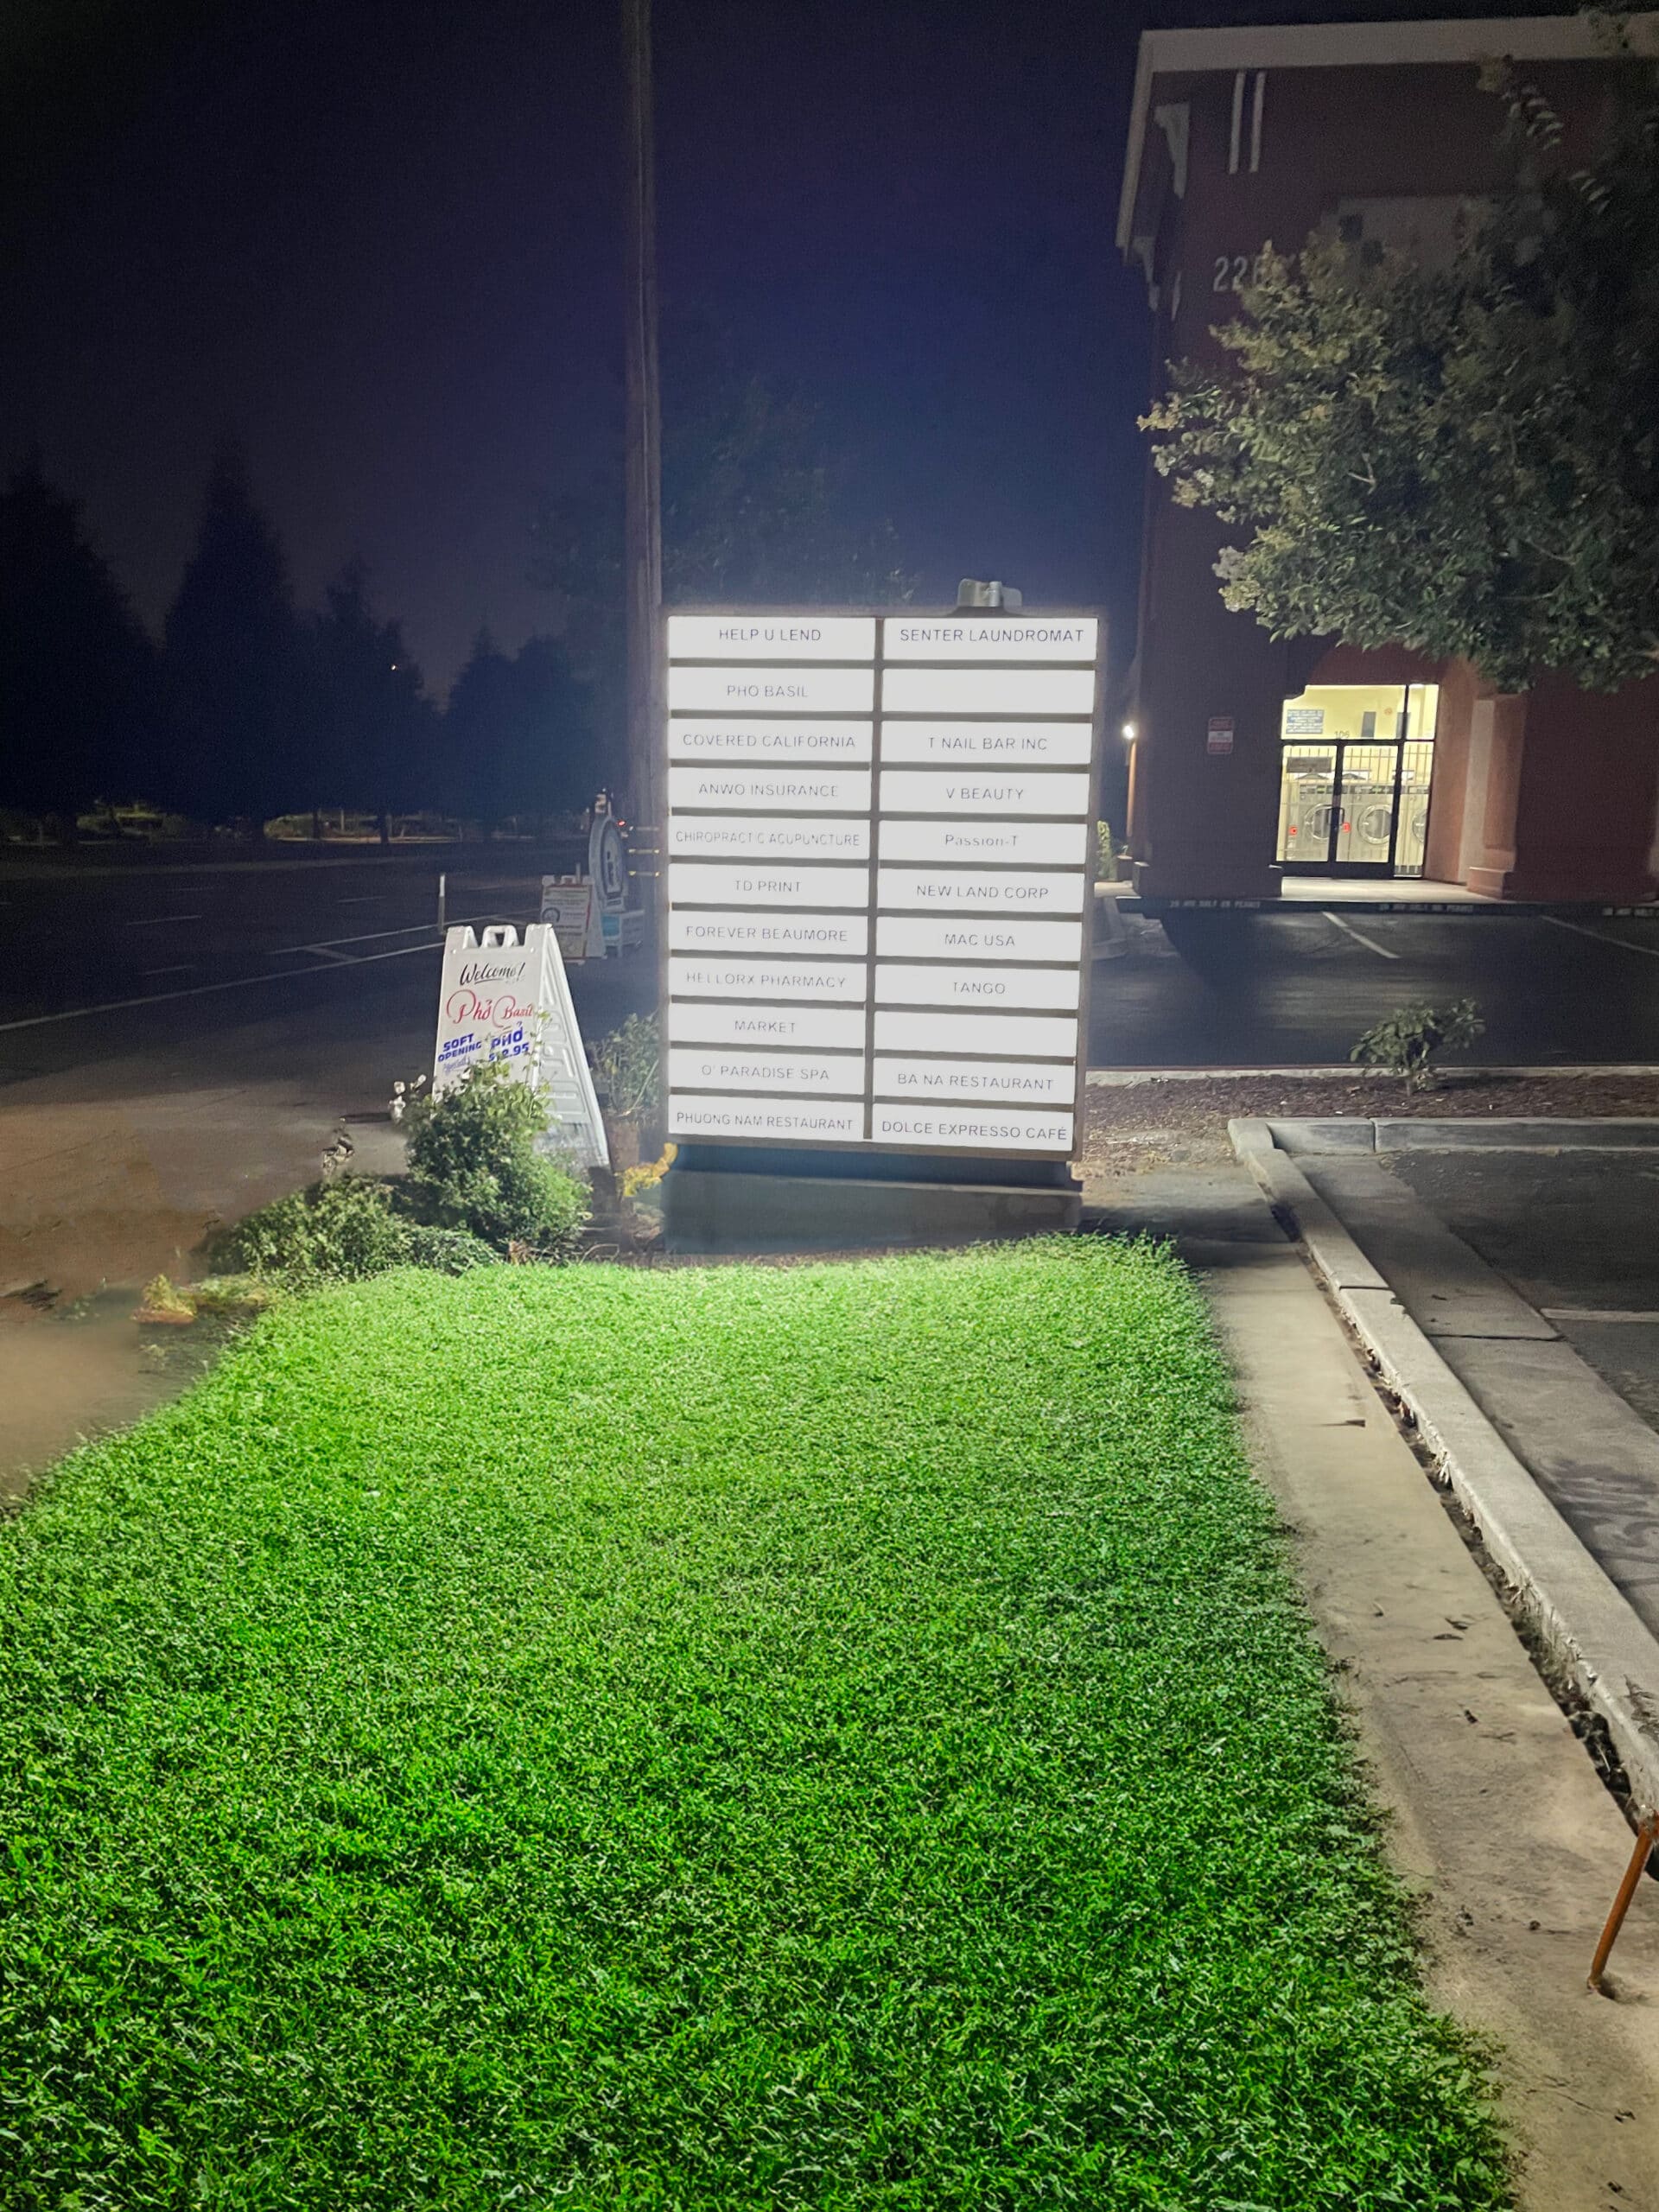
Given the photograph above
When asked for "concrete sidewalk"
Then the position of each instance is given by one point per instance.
(1499, 1820)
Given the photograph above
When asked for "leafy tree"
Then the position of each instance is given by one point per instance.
(1462, 460)
(231, 655)
(372, 727)
(518, 734)
(757, 507)
(79, 704)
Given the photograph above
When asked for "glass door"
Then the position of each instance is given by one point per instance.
(1356, 763)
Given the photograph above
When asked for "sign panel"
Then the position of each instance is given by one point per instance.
(879, 831)
(506, 999)
(717, 737)
(1013, 745)
(773, 690)
(1218, 734)
(837, 790)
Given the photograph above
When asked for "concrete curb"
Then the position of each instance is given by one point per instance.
(1327, 1134)
(1345, 1072)
(1591, 1630)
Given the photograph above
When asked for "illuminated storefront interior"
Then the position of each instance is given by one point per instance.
(1356, 763)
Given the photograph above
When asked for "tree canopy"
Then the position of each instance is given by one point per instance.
(1464, 459)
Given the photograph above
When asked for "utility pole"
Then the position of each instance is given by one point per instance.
(643, 529)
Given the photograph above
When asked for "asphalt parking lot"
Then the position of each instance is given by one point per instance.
(1295, 989)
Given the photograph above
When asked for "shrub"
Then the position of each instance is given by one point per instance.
(472, 1166)
(1407, 1041)
(450, 1251)
(339, 1231)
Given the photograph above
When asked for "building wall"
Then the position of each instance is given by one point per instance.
(1553, 799)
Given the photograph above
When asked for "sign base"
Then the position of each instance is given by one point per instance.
(719, 1198)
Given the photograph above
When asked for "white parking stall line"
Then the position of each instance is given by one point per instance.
(1598, 1314)
(368, 937)
(204, 990)
(155, 921)
(1360, 936)
(1618, 943)
(179, 968)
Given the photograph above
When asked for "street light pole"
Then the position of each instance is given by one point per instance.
(643, 529)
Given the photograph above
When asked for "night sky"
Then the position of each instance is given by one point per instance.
(378, 240)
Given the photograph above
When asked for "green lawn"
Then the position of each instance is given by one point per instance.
(841, 1736)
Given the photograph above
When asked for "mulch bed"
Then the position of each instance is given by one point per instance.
(1172, 1122)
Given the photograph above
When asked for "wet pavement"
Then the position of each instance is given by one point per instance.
(1296, 989)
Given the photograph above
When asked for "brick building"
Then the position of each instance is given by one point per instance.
(1253, 761)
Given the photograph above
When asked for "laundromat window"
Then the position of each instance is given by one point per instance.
(1355, 765)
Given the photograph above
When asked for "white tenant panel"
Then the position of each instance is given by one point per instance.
(999, 791)
(976, 692)
(804, 1121)
(769, 837)
(774, 637)
(1020, 1036)
(932, 890)
(791, 1028)
(721, 1067)
(693, 929)
(775, 690)
(834, 790)
(722, 737)
(838, 982)
(983, 1128)
(1004, 988)
(990, 637)
(759, 884)
(1027, 844)
(1029, 1083)
(1003, 745)
(902, 936)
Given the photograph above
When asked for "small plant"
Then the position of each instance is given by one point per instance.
(472, 1166)
(628, 1064)
(648, 1174)
(1407, 1041)
(163, 1301)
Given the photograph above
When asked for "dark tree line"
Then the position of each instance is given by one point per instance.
(250, 707)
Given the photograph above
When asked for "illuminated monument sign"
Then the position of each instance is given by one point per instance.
(878, 888)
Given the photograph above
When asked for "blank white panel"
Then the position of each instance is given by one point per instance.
(719, 737)
(806, 1120)
(968, 637)
(976, 691)
(938, 890)
(980, 1128)
(1013, 745)
(1029, 1083)
(1002, 988)
(999, 791)
(777, 691)
(771, 636)
(690, 932)
(766, 836)
(820, 982)
(784, 1028)
(836, 791)
(711, 883)
(1031, 844)
(1029, 1036)
(725, 1067)
(967, 938)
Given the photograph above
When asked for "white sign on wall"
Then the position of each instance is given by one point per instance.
(879, 830)
(506, 999)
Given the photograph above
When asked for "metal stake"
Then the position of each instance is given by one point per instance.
(443, 901)
(1646, 1837)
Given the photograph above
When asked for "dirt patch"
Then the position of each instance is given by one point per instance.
(1164, 1121)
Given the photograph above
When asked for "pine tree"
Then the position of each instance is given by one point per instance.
(232, 644)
